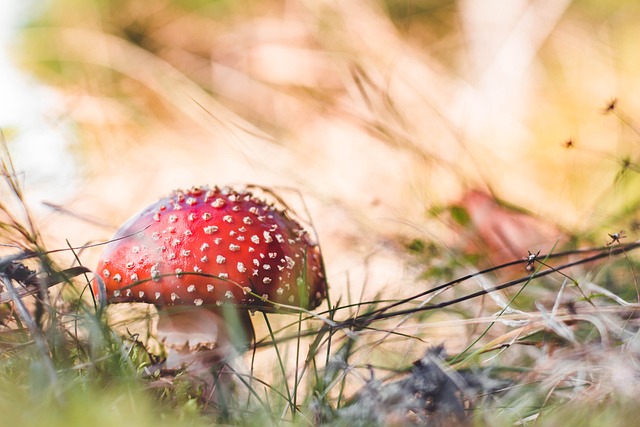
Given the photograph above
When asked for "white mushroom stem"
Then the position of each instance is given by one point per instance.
(198, 338)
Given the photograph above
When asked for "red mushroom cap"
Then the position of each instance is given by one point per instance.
(212, 247)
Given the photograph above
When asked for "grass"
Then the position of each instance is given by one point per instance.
(570, 349)
(377, 131)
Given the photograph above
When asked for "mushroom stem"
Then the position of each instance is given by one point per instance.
(199, 339)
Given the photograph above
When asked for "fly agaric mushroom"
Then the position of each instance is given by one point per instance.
(205, 257)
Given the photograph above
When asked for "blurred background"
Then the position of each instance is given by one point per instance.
(371, 118)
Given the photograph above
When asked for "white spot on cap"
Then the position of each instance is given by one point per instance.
(155, 274)
(255, 239)
(134, 277)
(279, 291)
(191, 288)
(255, 272)
(290, 262)
(187, 232)
(185, 252)
(197, 269)
(227, 218)
(210, 288)
(241, 268)
(254, 210)
(251, 249)
(272, 255)
(117, 278)
(128, 292)
(156, 216)
(223, 275)
(141, 294)
(266, 280)
(242, 229)
(129, 264)
(116, 293)
(267, 237)
(173, 218)
(266, 266)
(206, 216)
(192, 201)
(135, 249)
(219, 303)
(247, 220)
(198, 301)
(204, 246)
(155, 236)
(158, 295)
(265, 297)
(210, 229)
(246, 290)
(191, 216)
(204, 259)
(218, 203)
(106, 273)
(220, 259)
(176, 242)
(174, 296)
(279, 238)
(234, 248)
(217, 240)
(240, 238)
(178, 272)
(172, 255)
(291, 298)
(256, 262)
(228, 294)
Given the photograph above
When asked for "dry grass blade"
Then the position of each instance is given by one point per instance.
(35, 331)
(38, 283)
(172, 86)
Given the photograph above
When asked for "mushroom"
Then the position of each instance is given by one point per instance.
(205, 257)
